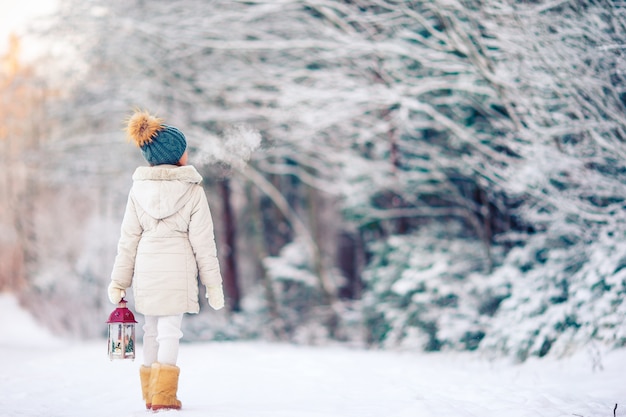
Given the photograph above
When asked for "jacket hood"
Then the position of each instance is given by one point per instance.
(163, 190)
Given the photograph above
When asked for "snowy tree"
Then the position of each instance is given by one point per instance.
(568, 94)
(469, 151)
(552, 172)
(23, 121)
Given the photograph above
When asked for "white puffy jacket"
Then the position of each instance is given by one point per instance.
(166, 242)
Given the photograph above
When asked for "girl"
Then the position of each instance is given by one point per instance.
(166, 243)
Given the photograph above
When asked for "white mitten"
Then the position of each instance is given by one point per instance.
(116, 293)
(216, 296)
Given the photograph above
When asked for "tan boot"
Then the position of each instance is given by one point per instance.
(144, 375)
(163, 386)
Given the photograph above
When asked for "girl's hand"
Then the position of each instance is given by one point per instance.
(115, 293)
(216, 296)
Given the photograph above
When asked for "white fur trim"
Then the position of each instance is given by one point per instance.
(185, 173)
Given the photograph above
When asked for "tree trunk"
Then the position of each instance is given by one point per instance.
(277, 324)
(231, 282)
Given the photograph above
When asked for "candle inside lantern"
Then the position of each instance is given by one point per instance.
(121, 333)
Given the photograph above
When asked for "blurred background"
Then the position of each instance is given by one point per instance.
(424, 175)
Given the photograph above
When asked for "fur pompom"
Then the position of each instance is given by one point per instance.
(143, 127)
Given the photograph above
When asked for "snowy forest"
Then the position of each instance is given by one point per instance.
(386, 174)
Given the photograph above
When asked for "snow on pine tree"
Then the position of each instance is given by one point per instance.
(559, 72)
(567, 283)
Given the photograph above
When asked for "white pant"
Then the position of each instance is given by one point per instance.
(161, 339)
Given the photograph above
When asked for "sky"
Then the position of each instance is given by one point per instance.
(46, 376)
(16, 14)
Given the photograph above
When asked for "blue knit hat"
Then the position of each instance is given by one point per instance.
(160, 144)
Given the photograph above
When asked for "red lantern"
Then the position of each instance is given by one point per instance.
(121, 333)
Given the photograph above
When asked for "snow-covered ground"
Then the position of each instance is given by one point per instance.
(42, 376)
